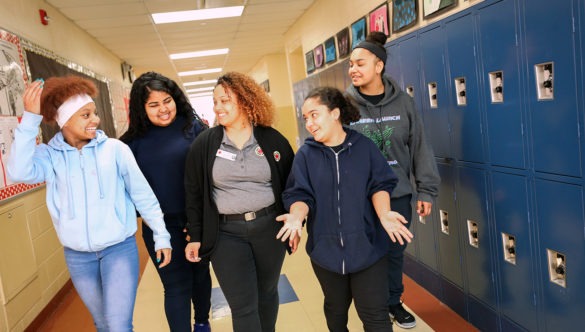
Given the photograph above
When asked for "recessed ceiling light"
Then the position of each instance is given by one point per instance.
(202, 71)
(200, 82)
(196, 15)
(197, 54)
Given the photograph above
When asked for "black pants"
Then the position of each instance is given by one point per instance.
(184, 282)
(403, 206)
(368, 288)
(247, 261)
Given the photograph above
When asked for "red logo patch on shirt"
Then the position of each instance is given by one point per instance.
(259, 152)
(276, 155)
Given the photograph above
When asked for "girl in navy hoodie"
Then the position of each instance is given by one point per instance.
(342, 183)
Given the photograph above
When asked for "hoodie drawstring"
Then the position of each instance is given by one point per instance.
(97, 169)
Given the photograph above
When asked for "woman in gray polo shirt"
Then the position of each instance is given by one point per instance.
(234, 177)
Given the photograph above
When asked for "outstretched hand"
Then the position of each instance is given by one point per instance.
(393, 222)
(291, 230)
(32, 96)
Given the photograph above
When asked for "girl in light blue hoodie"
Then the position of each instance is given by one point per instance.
(94, 188)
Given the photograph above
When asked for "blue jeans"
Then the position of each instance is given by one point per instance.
(184, 282)
(403, 206)
(107, 281)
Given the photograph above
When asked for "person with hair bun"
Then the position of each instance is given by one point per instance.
(342, 184)
(94, 188)
(390, 119)
(234, 178)
(163, 124)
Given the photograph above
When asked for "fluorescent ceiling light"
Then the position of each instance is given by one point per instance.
(197, 54)
(198, 72)
(208, 88)
(196, 15)
(203, 94)
(200, 82)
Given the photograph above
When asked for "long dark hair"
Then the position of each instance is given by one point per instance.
(333, 98)
(141, 88)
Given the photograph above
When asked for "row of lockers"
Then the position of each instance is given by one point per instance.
(500, 89)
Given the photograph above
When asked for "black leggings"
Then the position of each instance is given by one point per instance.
(368, 288)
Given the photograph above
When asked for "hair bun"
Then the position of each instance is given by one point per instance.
(377, 37)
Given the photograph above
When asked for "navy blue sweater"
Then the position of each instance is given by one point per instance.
(345, 233)
(161, 155)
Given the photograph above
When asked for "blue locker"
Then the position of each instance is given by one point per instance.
(498, 34)
(550, 38)
(393, 68)
(410, 53)
(433, 71)
(465, 115)
(560, 220)
(510, 194)
(448, 227)
(475, 234)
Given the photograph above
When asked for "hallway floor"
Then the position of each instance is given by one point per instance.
(300, 309)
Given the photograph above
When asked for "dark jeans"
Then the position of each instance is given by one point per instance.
(184, 282)
(368, 288)
(247, 261)
(403, 206)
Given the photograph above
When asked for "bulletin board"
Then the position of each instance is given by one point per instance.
(13, 80)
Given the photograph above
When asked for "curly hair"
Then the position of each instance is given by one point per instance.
(141, 89)
(251, 97)
(57, 90)
(333, 98)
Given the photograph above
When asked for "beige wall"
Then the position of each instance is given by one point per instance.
(33, 269)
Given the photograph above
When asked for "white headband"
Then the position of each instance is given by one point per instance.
(70, 106)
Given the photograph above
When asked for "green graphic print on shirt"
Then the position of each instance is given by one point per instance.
(381, 137)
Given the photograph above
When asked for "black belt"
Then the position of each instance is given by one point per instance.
(249, 216)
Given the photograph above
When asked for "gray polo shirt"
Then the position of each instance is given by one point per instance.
(241, 178)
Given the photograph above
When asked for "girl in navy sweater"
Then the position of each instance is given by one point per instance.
(342, 183)
(162, 126)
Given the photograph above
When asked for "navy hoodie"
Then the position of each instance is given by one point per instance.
(345, 233)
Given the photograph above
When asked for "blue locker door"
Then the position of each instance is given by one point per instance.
(550, 39)
(472, 205)
(409, 62)
(393, 68)
(465, 117)
(560, 221)
(499, 53)
(433, 71)
(448, 227)
(513, 243)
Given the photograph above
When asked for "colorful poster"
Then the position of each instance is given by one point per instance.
(404, 14)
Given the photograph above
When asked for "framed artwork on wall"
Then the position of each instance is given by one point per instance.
(319, 56)
(330, 52)
(379, 19)
(358, 32)
(343, 42)
(404, 14)
(310, 61)
(431, 7)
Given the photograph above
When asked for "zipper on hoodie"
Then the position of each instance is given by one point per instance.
(82, 164)
(339, 205)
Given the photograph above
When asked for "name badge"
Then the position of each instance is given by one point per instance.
(225, 155)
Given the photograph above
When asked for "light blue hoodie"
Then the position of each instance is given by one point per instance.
(92, 193)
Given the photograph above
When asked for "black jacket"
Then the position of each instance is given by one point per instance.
(202, 214)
